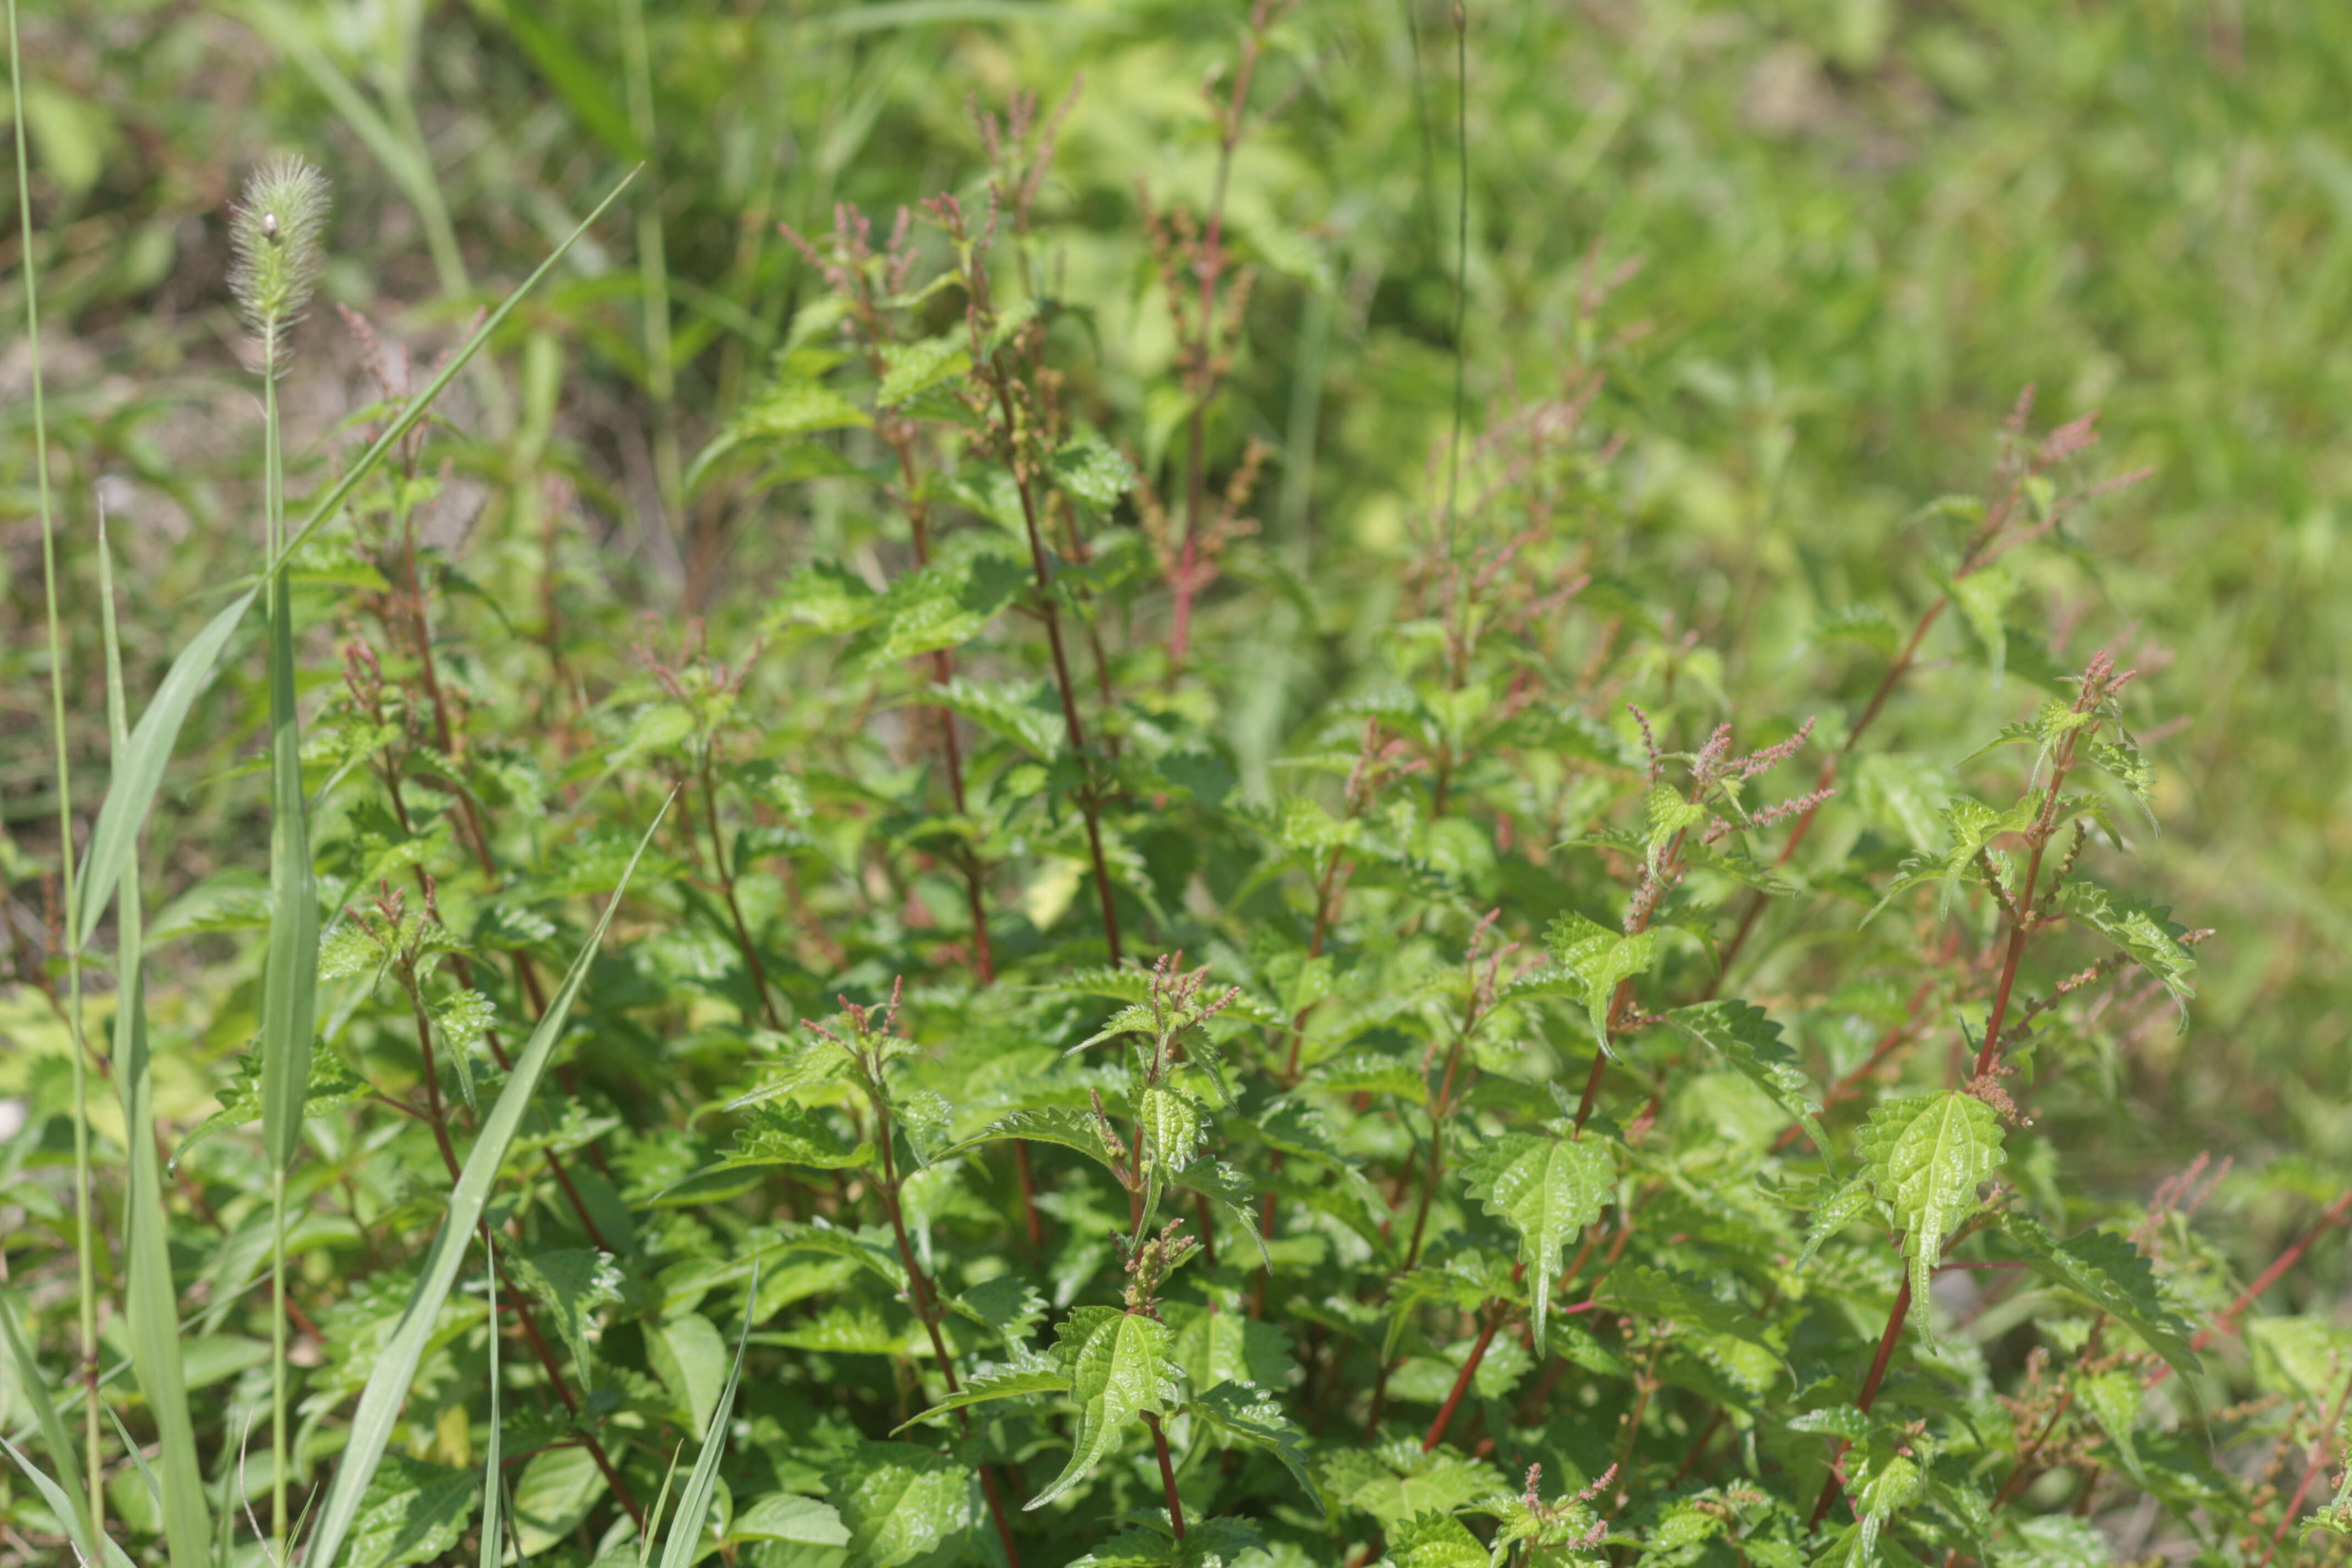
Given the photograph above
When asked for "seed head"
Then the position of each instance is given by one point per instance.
(277, 231)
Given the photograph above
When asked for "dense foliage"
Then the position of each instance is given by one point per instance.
(1077, 982)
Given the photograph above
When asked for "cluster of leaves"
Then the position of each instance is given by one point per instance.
(985, 1118)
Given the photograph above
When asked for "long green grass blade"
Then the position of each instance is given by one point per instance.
(139, 768)
(678, 1548)
(102, 1550)
(55, 1436)
(151, 1302)
(387, 1385)
(289, 984)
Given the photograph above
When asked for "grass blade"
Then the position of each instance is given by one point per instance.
(678, 1548)
(387, 1386)
(55, 1434)
(151, 1302)
(62, 1506)
(139, 768)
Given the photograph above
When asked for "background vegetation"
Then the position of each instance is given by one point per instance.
(1747, 291)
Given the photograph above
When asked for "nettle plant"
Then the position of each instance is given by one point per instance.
(868, 1083)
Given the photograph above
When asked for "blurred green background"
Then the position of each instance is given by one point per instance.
(1862, 227)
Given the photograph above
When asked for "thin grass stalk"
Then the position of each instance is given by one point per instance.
(289, 985)
(149, 1300)
(85, 1260)
(493, 1480)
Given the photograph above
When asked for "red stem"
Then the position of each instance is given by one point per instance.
(1869, 1395)
(1167, 1474)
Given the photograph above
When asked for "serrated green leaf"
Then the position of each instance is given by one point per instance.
(1924, 1155)
(1548, 1189)
(899, 1502)
(1069, 1126)
(1250, 1413)
(2108, 1273)
(1094, 472)
(1743, 1036)
(1025, 1379)
(1119, 1370)
(2144, 931)
(1840, 1209)
(909, 370)
(573, 1284)
(413, 1512)
(1599, 960)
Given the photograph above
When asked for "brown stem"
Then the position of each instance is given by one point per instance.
(926, 1304)
(2314, 1466)
(1868, 1396)
(539, 1344)
(2226, 1322)
(1436, 1433)
(1430, 1172)
(1073, 726)
(718, 858)
(1829, 775)
(1166, 1473)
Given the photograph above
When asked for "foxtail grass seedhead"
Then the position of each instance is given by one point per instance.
(278, 230)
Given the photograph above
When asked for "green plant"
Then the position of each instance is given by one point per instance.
(990, 1113)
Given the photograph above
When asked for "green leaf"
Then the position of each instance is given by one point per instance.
(691, 1358)
(1599, 960)
(1887, 1479)
(571, 1285)
(943, 606)
(1981, 598)
(2122, 762)
(1840, 1209)
(2144, 931)
(900, 1503)
(332, 1087)
(65, 1458)
(1924, 1155)
(1093, 471)
(387, 1384)
(1251, 1415)
(1065, 1125)
(790, 1134)
(1969, 826)
(683, 1543)
(1669, 815)
(788, 1516)
(912, 369)
(1020, 1380)
(2112, 1399)
(1548, 1189)
(1751, 1043)
(2108, 1273)
(1119, 1370)
(557, 1487)
(67, 1513)
(1434, 1540)
(413, 1513)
